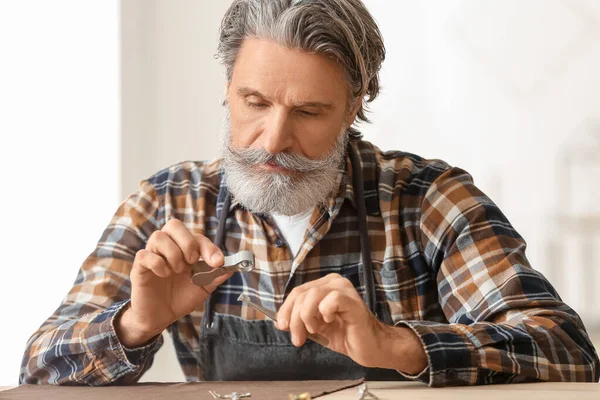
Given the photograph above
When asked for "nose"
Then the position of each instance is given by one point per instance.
(277, 135)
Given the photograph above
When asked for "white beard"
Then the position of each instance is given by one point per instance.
(267, 192)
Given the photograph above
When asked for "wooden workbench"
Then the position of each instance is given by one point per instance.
(410, 390)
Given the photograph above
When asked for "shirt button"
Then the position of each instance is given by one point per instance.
(278, 243)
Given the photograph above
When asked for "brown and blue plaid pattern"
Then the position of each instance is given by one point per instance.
(447, 264)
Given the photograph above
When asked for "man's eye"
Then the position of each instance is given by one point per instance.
(308, 113)
(256, 105)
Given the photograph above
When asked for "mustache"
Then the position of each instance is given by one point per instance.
(291, 161)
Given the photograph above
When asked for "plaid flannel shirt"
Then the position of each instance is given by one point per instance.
(447, 264)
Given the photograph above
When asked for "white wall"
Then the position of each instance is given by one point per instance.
(172, 86)
(502, 88)
(59, 155)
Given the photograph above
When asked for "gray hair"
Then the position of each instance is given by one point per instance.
(344, 30)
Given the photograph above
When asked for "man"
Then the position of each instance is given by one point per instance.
(400, 263)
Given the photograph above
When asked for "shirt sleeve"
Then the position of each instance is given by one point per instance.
(78, 343)
(506, 323)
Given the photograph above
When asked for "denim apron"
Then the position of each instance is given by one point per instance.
(232, 348)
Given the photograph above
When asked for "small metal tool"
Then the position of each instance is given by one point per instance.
(365, 394)
(204, 275)
(232, 396)
(315, 337)
(301, 396)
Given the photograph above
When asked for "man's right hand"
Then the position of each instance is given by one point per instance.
(161, 290)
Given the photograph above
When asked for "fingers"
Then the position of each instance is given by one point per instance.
(310, 308)
(285, 312)
(331, 305)
(309, 312)
(180, 248)
(148, 262)
(160, 243)
(209, 252)
(306, 317)
(297, 327)
(184, 239)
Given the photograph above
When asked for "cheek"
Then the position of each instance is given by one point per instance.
(245, 127)
(317, 139)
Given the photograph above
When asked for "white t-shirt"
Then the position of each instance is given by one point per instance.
(293, 228)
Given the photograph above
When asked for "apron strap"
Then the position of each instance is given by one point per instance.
(359, 199)
(219, 242)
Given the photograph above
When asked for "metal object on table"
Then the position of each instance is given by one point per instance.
(204, 275)
(232, 396)
(301, 396)
(315, 337)
(364, 394)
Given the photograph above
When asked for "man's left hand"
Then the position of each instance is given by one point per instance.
(332, 307)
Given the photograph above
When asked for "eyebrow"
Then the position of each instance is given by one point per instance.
(246, 91)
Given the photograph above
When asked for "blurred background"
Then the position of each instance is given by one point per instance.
(97, 95)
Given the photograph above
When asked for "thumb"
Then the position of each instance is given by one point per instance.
(210, 253)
